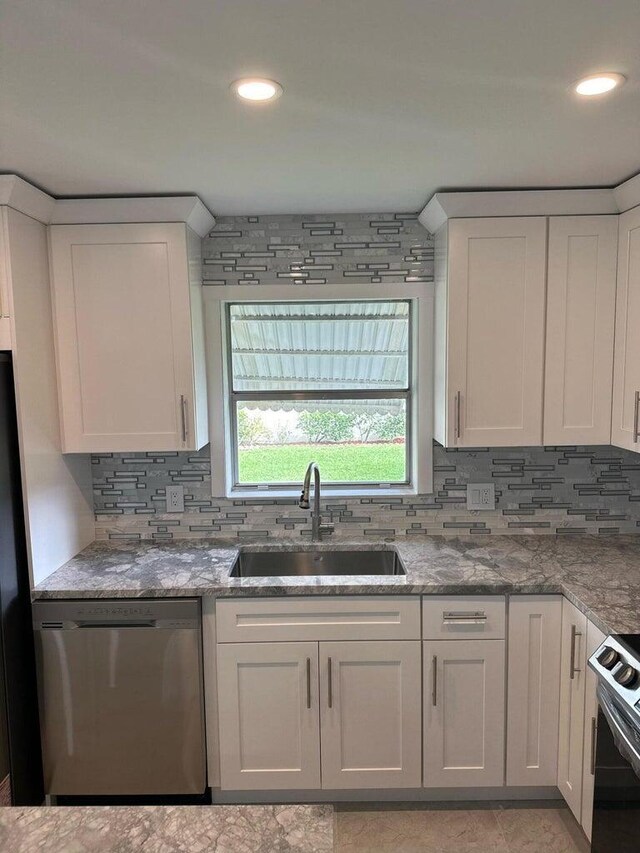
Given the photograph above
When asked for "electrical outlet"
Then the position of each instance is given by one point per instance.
(175, 498)
(481, 496)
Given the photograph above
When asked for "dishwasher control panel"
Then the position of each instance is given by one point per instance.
(144, 613)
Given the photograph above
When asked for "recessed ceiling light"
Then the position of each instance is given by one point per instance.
(257, 89)
(599, 84)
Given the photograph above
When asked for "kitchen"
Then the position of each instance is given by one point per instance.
(320, 467)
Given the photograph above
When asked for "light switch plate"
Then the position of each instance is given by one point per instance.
(481, 496)
(175, 498)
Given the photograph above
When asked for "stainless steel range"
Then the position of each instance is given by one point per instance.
(616, 811)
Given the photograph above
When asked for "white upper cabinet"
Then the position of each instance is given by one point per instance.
(5, 291)
(129, 337)
(581, 298)
(625, 427)
(490, 317)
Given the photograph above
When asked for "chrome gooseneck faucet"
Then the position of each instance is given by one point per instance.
(317, 528)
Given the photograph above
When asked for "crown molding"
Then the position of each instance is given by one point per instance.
(25, 198)
(456, 205)
(20, 195)
(83, 211)
(627, 194)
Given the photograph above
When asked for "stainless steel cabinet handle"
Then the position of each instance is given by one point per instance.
(183, 414)
(458, 403)
(308, 682)
(434, 681)
(464, 617)
(593, 745)
(572, 666)
(636, 419)
(330, 683)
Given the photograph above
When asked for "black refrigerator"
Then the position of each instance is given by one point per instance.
(20, 753)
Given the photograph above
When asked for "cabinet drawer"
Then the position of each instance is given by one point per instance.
(450, 617)
(362, 617)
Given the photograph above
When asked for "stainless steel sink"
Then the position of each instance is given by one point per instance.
(267, 564)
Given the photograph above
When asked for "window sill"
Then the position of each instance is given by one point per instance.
(326, 492)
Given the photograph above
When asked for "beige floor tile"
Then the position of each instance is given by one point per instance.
(419, 831)
(541, 831)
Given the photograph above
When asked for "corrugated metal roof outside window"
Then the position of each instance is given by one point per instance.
(320, 346)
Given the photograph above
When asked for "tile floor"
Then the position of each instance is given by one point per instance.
(389, 829)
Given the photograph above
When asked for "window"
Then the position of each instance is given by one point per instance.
(327, 373)
(323, 381)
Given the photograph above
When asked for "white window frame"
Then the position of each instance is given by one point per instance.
(421, 296)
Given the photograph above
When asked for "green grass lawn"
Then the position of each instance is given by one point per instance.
(351, 463)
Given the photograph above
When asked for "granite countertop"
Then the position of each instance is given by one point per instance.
(168, 829)
(599, 575)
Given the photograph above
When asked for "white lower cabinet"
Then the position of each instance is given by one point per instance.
(271, 725)
(268, 716)
(578, 714)
(370, 718)
(463, 713)
(533, 689)
(572, 693)
(343, 709)
(595, 638)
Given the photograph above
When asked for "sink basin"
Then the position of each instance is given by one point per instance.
(268, 564)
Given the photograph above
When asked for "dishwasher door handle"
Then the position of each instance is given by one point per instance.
(151, 623)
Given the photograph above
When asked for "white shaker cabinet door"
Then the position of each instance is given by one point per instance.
(595, 638)
(268, 716)
(495, 331)
(533, 679)
(125, 335)
(581, 300)
(463, 713)
(572, 692)
(371, 699)
(625, 426)
(5, 288)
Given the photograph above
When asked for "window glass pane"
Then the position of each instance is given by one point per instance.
(353, 441)
(320, 346)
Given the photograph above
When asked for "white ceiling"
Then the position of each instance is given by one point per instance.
(385, 101)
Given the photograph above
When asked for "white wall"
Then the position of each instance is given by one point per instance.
(57, 489)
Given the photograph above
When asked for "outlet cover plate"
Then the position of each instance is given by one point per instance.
(481, 496)
(175, 498)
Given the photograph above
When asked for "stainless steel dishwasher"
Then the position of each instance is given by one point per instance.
(121, 696)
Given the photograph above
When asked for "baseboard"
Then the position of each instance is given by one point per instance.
(400, 795)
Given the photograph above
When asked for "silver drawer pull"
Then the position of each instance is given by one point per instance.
(434, 682)
(572, 663)
(464, 617)
(458, 401)
(636, 418)
(183, 417)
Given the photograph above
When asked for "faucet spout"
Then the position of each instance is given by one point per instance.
(317, 528)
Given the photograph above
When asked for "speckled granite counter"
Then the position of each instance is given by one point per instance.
(168, 829)
(600, 575)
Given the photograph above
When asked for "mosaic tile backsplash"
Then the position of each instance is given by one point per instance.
(538, 490)
(356, 248)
